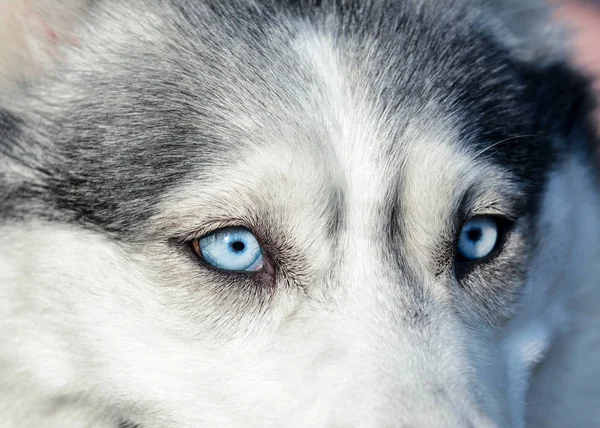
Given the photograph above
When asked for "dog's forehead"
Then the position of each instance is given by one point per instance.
(317, 90)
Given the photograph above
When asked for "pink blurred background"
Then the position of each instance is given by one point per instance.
(583, 16)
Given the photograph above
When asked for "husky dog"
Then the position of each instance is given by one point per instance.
(278, 213)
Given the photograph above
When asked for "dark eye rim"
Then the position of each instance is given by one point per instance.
(504, 225)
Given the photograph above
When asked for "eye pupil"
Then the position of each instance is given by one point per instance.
(238, 246)
(478, 238)
(474, 235)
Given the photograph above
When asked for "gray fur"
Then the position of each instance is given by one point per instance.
(354, 139)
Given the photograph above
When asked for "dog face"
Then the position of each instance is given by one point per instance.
(391, 166)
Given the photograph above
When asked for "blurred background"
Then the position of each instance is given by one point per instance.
(583, 17)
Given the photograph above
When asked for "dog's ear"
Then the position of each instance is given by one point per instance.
(529, 28)
(31, 35)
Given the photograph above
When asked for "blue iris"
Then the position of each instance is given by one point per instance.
(232, 249)
(478, 238)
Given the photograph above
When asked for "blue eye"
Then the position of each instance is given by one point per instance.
(233, 249)
(478, 238)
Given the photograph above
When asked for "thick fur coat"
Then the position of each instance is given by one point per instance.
(354, 140)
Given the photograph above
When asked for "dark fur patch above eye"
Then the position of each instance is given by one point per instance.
(564, 104)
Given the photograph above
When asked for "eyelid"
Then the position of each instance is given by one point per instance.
(503, 211)
(507, 207)
(212, 226)
(196, 246)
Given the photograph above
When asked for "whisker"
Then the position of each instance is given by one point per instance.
(488, 148)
